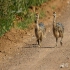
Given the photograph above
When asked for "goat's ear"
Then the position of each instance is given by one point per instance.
(35, 21)
(37, 13)
(54, 12)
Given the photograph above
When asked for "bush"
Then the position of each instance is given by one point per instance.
(8, 8)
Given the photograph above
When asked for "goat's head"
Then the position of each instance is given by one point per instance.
(36, 17)
(54, 14)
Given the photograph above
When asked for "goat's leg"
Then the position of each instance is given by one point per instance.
(61, 41)
(56, 41)
(40, 39)
(44, 33)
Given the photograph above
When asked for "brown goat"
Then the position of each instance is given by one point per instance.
(58, 29)
(40, 30)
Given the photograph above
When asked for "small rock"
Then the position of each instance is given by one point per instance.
(62, 66)
(18, 53)
(66, 64)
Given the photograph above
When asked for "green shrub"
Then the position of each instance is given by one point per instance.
(8, 8)
(5, 25)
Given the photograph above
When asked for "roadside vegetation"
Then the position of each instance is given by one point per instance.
(18, 14)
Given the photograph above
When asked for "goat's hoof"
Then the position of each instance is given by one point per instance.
(61, 43)
(39, 46)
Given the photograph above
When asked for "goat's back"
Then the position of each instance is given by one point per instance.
(60, 27)
(42, 27)
(58, 30)
(41, 30)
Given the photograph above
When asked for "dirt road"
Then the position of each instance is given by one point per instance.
(46, 57)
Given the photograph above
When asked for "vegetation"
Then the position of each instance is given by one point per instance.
(10, 8)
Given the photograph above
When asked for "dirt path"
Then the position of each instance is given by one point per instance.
(47, 57)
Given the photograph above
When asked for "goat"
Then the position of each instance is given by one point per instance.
(58, 29)
(40, 30)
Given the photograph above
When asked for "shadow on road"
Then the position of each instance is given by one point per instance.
(36, 46)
